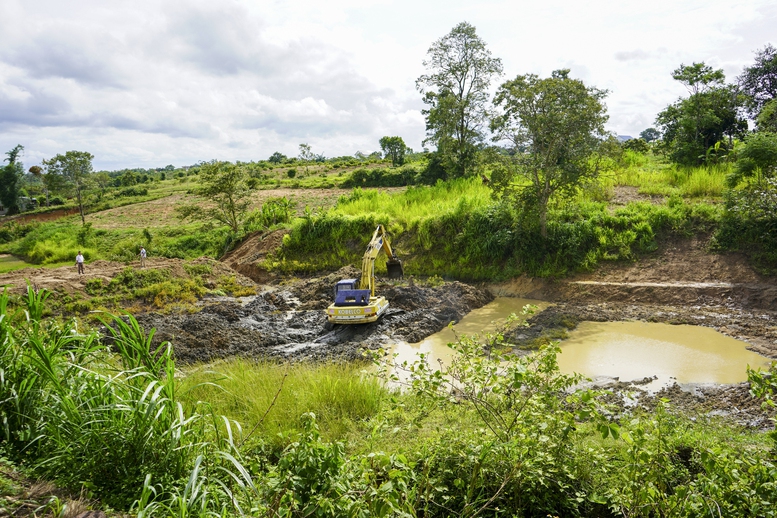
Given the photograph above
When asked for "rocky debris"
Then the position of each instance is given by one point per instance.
(288, 322)
(731, 403)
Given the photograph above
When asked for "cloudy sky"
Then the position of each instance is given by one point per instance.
(146, 83)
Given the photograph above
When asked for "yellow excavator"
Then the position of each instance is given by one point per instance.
(355, 300)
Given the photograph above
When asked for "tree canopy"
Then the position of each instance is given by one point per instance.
(759, 81)
(394, 148)
(10, 175)
(650, 134)
(553, 125)
(224, 184)
(757, 159)
(277, 158)
(459, 72)
(70, 170)
(692, 126)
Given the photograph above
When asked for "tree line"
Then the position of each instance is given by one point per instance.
(545, 137)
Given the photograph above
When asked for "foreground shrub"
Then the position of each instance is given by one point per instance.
(749, 224)
(77, 418)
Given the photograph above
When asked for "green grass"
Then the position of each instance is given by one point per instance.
(655, 177)
(410, 207)
(10, 263)
(271, 396)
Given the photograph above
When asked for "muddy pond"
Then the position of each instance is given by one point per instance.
(605, 350)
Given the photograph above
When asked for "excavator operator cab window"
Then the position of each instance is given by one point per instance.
(344, 285)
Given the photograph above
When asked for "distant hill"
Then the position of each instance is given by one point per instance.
(624, 138)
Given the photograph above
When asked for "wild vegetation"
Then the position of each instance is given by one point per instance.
(108, 414)
(489, 435)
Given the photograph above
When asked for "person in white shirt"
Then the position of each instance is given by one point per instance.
(80, 263)
(142, 257)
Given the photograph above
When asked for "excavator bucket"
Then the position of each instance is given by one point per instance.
(395, 270)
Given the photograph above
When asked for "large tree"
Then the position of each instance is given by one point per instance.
(692, 126)
(554, 126)
(460, 70)
(73, 168)
(759, 82)
(394, 148)
(767, 119)
(224, 184)
(10, 175)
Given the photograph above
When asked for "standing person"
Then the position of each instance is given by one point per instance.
(142, 257)
(80, 263)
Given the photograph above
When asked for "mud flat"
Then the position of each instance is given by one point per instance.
(287, 322)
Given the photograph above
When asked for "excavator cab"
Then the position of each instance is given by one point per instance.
(347, 294)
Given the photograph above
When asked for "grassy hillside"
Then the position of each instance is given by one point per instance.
(454, 229)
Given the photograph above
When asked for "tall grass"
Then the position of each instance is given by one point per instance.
(478, 239)
(81, 418)
(416, 203)
(655, 178)
(271, 397)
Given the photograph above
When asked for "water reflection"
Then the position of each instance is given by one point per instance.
(479, 321)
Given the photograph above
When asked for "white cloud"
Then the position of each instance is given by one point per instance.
(146, 83)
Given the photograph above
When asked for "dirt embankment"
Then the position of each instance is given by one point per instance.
(681, 283)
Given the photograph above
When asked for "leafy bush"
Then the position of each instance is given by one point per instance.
(12, 231)
(749, 224)
(132, 191)
(380, 177)
(274, 211)
(229, 284)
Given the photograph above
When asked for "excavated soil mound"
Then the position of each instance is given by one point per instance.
(681, 272)
(247, 256)
(289, 322)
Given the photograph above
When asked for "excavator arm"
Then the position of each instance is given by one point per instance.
(378, 242)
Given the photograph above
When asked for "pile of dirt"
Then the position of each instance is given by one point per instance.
(681, 272)
(248, 255)
(732, 403)
(288, 322)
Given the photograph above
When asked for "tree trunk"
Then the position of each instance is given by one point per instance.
(543, 220)
(80, 205)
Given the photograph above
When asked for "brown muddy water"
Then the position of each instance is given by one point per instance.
(604, 350)
(476, 322)
(635, 350)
